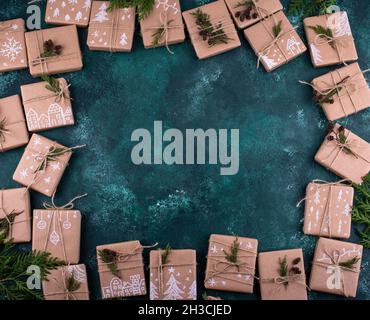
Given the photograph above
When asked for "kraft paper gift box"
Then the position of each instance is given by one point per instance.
(65, 12)
(274, 49)
(337, 46)
(336, 267)
(246, 14)
(66, 283)
(13, 53)
(65, 57)
(111, 30)
(164, 25)
(176, 278)
(348, 157)
(13, 130)
(219, 38)
(328, 209)
(221, 274)
(276, 284)
(15, 215)
(45, 109)
(121, 269)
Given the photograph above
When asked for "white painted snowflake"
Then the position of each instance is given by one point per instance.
(11, 48)
(24, 173)
(212, 282)
(171, 270)
(55, 166)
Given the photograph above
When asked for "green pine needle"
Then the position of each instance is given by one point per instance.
(72, 284)
(232, 256)
(166, 254)
(361, 210)
(277, 29)
(6, 222)
(308, 8)
(144, 7)
(53, 84)
(324, 33)
(110, 257)
(350, 264)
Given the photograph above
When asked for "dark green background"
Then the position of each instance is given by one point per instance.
(280, 131)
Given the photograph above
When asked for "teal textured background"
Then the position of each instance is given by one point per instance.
(280, 131)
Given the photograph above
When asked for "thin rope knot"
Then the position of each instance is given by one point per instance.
(63, 94)
(68, 206)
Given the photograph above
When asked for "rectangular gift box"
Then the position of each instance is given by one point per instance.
(275, 286)
(13, 130)
(61, 286)
(165, 22)
(129, 278)
(65, 12)
(328, 210)
(46, 109)
(347, 89)
(337, 47)
(222, 26)
(336, 267)
(247, 13)
(349, 165)
(274, 51)
(69, 58)
(16, 203)
(13, 54)
(175, 280)
(111, 30)
(224, 275)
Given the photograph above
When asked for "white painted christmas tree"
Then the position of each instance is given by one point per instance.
(102, 14)
(316, 54)
(342, 27)
(56, 12)
(316, 197)
(123, 41)
(153, 294)
(192, 295)
(87, 5)
(73, 2)
(78, 16)
(270, 63)
(173, 291)
(347, 210)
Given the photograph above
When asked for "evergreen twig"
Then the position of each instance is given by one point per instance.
(53, 84)
(276, 29)
(144, 7)
(6, 222)
(361, 210)
(325, 33)
(110, 257)
(232, 256)
(350, 264)
(166, 254)
(306, 8)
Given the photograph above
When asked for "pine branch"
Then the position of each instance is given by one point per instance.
(232, 256)
(295, 7)
(144, 7)
(166, 254)
(159, 33)
(72, 284)
(350, 264)
(50, 49)
(5, 223)
(276, 29)
(325, 33)
(283, 267)
(53, 84)
(307, 8)
(110, 257)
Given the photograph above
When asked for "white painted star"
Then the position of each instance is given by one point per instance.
(212, 282)
(249, 245)
(24, 173)
(55, 166)
(171, 270)
(37, 142)
(47, 180)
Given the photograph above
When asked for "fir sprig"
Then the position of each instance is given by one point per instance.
(166, 254)
(72, 284)
(306, 8)
(6, 222)
(276, 29)
(325, 33)
(53, 84)
(329, 96)
(110, 257)
(144, 7)
(50, 49)
(283, 267)
(350, 264)
(3, 131)
(361, 210)
(159, 33)
(232, 256)
(341, 138)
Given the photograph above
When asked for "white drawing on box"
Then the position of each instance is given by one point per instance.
(173, 291)
(270, 63)
(67, 224)
(54, 236)
(343, 252)
(78, 273)
(78, 16)
(214, 249)
(119, 288)
(73, 2)
(10, 49)
(41, 225)
(123, 41)
(51, 1)
(55, 166)
(166, 5)
(102, 14)
(126, 14)
(212, 282)
(316, 54)
(340, 194)
(309, 226)
(192, 295)
(171, 270)
(347, 210)
(67, 17)
(293, 46)
(63, 4)
(316, 197)
(153, 293)
(23, 173)
(334, 281)
(47, 180)
(342, 26)
(87, 5)
(56, 13)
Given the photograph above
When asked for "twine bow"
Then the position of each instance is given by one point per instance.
(68, 206)
(4, 131)
(338, 43)
(283, 281)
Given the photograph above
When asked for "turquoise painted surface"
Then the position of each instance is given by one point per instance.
(280, 130)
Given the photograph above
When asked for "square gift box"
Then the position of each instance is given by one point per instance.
(211, 29)
(225, 275)
(13, 54)
(15, 214)
(275, 41)
(46, 109)
(345, 154)
(13, 129)
(62, 54)
(66, 283)
(282, 275)
(121, 269)
(330, 39)
(176, 278)
(336, 267)
(111, 30)
(65, 12)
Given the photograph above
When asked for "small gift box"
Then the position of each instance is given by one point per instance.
(13, 54)
(121, 269)
(211, 29)
(282, 275)
(47, 104)
(173, 275)
(13, 130)
(15, 215)
(328, 209)
(231, 263)
(67, 283)
(111, 30)
(336, 267)
(68, 12)
(164, 25)
(275, 41)
(246, 13)
(42, 165)
(345, 154)
(54, 50)
(330, 39)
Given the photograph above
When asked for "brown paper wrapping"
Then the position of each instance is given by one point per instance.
(44, 110)
(175, 280)
(271, 289)
(218, 14)
(111, 30)
(131, 280)
(64, 12)
(322, 53)
(54, 287)
(261, 38)
(164, 13)
(13, 54)
(345, 165)
(69, 60)
(17, 200)
(327, 276)
(220, 274)
(14, 132)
